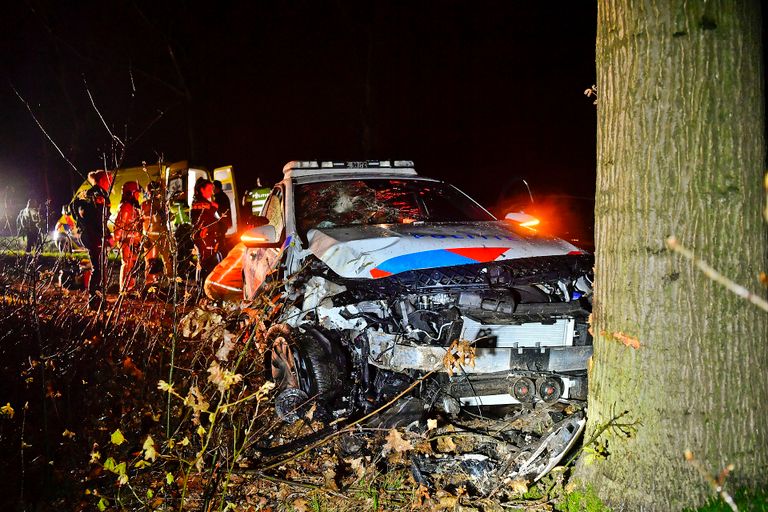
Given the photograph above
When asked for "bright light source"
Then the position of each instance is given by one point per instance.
(252, 239)
(530, 223)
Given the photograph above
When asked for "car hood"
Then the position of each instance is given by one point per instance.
(378, 251)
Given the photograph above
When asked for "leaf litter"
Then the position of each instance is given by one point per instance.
(164, 405)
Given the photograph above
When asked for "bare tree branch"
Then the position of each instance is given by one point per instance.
(716, 276)
(50, 139)
(93, 102)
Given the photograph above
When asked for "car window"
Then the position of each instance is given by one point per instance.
(273, 210)
(382, 201)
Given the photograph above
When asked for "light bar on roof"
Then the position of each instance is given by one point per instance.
(338, 164)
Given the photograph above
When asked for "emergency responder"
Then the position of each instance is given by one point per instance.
(257, 197)
(205, 228)
(157, 245)
(128, 234)
(65, 233)
(225, 214)
(28, 225)
(91, 211)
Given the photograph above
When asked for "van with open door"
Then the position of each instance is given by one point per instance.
(178, 180)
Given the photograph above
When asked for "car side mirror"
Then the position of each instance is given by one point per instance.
(263, 236)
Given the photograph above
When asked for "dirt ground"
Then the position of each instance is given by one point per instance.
(162, 404)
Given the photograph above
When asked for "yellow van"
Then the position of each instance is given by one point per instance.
(179, 182)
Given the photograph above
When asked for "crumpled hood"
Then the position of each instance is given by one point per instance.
(382, 250)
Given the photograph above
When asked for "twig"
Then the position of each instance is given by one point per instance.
(715, 483)
(39, 125)
(347, 428)
(302, 485)
(716, 276)
(93, 102)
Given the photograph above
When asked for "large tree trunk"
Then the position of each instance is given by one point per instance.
(680, 152)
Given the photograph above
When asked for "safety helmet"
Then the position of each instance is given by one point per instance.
(129, 187)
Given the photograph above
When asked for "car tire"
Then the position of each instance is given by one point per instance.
(304, 365)
(322, 375)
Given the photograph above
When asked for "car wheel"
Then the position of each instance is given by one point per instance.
(305, 366)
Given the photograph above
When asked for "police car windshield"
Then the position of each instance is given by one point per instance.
(382, 201)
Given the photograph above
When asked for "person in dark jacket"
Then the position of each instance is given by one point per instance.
(91, 210)
(205, 228)
(28, 225)
(225, 214)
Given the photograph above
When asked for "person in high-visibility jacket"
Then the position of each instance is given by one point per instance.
(157, 241)
(225, 282)
(128, 234)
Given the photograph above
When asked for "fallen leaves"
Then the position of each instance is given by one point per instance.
(117, 438)
(149, 449)
(200, 323)
(445, 444)
(130, 367)
(300, 505)
(223, 378)
(7, 410)
(395, 443)
(459, 353)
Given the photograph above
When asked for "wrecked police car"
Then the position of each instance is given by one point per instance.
(392, 281)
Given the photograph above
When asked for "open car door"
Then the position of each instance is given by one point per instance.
(227, 178)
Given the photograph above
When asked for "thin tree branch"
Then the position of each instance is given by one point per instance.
(93, 102)
(50, 139)
(716, 276)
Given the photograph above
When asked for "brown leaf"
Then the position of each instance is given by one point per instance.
(460, 353)
(518, 486)
(132, 369)
(300, 505)
(445, 444)
(330, 479)
(422, 496)
(447, 502)
(396, 443)
(358, 466)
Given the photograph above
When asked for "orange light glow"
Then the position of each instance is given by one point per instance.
(252, 239)
(530, 223)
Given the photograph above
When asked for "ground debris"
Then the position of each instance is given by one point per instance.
(198, 424)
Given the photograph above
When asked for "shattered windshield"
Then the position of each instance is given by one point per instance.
(382, 201)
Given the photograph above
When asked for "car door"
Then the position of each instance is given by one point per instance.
(226, 176)
(260, 263)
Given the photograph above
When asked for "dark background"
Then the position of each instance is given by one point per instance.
(476, 93)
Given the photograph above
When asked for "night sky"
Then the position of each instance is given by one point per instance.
(476, 93)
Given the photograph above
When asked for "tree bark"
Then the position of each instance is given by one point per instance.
(681, 152)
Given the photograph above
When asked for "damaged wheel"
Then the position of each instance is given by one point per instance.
(306, 368)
